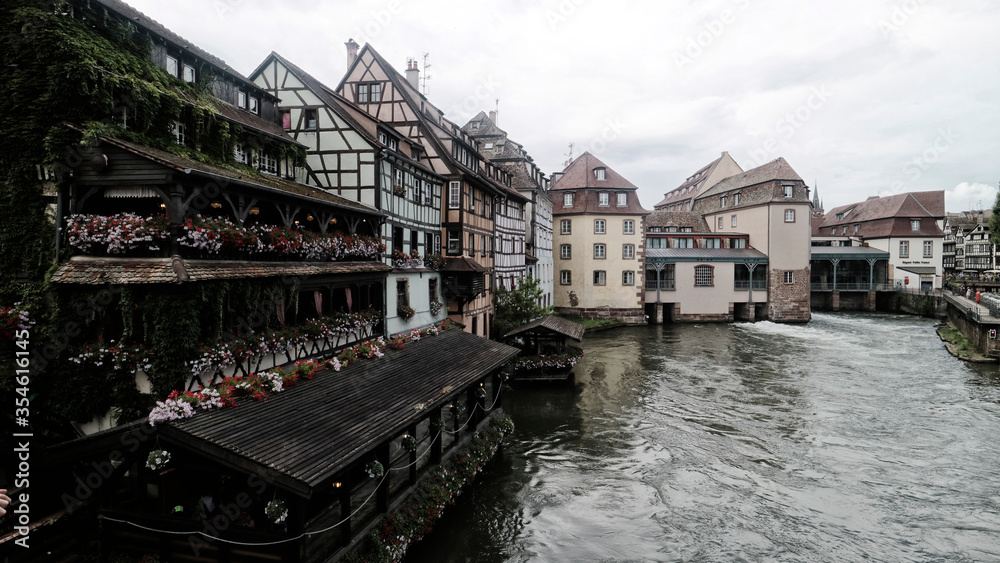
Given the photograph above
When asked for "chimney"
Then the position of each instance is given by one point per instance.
(493, 116)
(413, 74)
(352, 52)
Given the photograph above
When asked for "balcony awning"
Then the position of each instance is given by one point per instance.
(922, 271)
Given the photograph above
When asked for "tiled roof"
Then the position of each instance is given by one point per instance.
(462, 264)
(818, 252)
(580, 174)
(587, 201)
(552, 323)
(678, 219)
(189, 166)
(690, 186)
(880, 217)
(777, 169)
(305, 436)
(252, 121)
(91, 270)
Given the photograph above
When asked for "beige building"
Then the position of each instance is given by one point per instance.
(598, 226)
(682, 197)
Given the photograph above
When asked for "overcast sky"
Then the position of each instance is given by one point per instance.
(862, 97)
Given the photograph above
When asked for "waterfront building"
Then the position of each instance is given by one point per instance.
(530, 181)
(682, 197)
(742, 252)
(474, 186)
(354, 155)
(599, 226)
(966, 234)
(909, 226)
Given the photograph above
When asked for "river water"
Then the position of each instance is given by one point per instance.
(854, 437)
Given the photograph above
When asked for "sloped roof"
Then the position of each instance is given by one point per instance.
(305, 436)
(777, 169)
(689, 187)
(92, 270)
(262, 181)
(462, 264)
(678, 219)
(580, 174)
(552, 323)
(588, 202)
(929, 204)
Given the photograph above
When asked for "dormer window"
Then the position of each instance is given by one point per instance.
(736, 198)
(567, 200)
(475, 125)
(915, 225)
(788, 189)
(189, 75)
(722, 201)
(603, 199)
(179, 131)
(489, 146)
(239, 154)
(622, 200)
(600, 173)
(241, 99)
(254, 105)
(172, 65)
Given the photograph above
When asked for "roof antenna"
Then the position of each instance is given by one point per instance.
(569, 155)
(426, 76)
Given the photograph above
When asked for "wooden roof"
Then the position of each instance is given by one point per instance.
(304, 436)
(552, 323)
(94, 270)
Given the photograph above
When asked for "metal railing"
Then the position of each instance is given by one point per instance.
(664, 284)
(843, 286)
(743, 285)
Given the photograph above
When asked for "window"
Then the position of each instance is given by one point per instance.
(286, 120)
(565, 277)
(601, 173)
(684, 242)
(928, 249)
(844, 230)
(713, 243)
(402, 293)
(454, 242)
(788, 189)
(254, 105)
(790, 216)
(789, 277)
(904, 249)
(268, 164)
(857, 228)
(241, 99)
(600, 252)
(566, 226)
(567, 200)
(454, 195)
(366, 94)
(657, 242)
(566, 251)
(628, 227)
(599, 226)
(311, 119)
(622, 200)
(432, 289)
(703, 276)
(172, 65)
(376, 93)
(722, 201)
(600, 277)
(915, 225)
(603, 199)
(737, 243)
(628, 278)
(180, 132)
(482, 245)
(736, 198)
(732, 221)
(472, 244)
(188, 73)
(833, 231)
(720, 223)
(239, 153)
(628, 251)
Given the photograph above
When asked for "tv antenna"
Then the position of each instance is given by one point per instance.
(426, 76)
(569, 156)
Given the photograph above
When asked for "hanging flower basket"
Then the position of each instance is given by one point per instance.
(436, 307)
(276, 511)
(374, 470)
(157, 459)
(405, 312)
(409, 443)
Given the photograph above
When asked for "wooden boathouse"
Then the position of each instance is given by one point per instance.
(312, 447)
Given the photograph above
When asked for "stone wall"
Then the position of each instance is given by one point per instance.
(627, 316)
(923, 304)
(788, 302)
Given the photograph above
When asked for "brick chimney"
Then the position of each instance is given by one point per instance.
(493, 116)
(413, 74)
(352, 52)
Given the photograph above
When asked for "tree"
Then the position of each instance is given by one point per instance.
(515, 307)
(995, 221)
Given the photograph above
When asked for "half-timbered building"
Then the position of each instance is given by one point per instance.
(531, 182)
(470, 193)
(354, 155)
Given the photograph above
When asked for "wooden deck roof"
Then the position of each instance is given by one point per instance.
(552, 323)
(302, 437)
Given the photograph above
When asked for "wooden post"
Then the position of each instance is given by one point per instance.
(437, 414)
(383, 489)
(413, 455)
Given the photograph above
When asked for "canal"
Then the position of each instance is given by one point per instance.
(855, 437)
